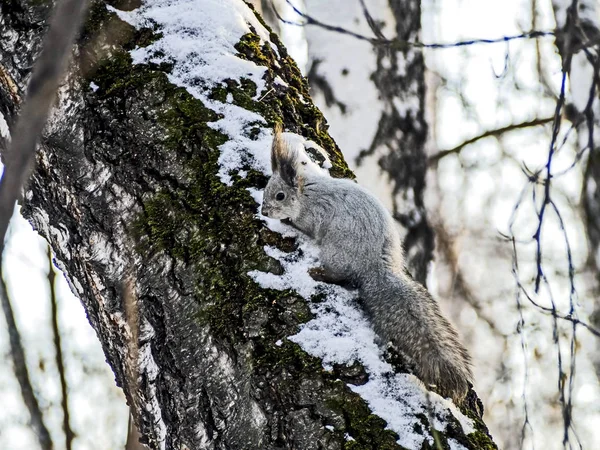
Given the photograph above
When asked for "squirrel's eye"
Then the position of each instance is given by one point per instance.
(280, 196)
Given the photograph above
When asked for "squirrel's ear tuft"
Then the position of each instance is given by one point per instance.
(276, 148)
(283, 158)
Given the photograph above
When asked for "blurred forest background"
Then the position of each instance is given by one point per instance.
(516, 255)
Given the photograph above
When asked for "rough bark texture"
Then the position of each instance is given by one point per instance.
(127, 193)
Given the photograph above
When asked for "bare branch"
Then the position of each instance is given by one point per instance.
(568, 42)
(371, 22)
(398, 44)
(21, 373)
(42, 88)
(520, 326)
(490, 133)
(69, 435)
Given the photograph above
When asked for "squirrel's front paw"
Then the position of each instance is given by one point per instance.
(319, 274)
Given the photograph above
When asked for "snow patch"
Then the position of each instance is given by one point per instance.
(202, 53)
(455, 445)
(4, 130)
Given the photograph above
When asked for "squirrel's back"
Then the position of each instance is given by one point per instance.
(354, 230)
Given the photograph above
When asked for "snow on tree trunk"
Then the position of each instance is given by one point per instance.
(145, 187)
(374, 100)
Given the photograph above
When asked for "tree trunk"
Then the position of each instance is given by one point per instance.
(143, 188)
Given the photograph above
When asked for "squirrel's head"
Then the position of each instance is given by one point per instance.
(285, 186)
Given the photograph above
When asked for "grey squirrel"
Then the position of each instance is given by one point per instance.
(360, 246)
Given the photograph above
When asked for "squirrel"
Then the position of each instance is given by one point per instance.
(360, 247)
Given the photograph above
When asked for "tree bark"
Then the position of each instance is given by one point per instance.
(129, 192)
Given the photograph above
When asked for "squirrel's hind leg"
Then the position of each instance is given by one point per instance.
(327, 276)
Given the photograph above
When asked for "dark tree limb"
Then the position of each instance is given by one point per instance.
(64, 402)
(399, 44)
(17, 165)
(490, 133)
(17, 353)
(41, 91)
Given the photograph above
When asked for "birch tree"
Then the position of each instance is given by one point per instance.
(374, 99)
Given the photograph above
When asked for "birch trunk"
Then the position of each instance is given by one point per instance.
(374, 101)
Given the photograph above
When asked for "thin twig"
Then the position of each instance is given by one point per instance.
(45, 79)
(520, 328)
(69, 435)
(555, 130)
(398, 44)
(371, 22)
(17, 353)
(543, 177)
(490, 133)
(555, 313)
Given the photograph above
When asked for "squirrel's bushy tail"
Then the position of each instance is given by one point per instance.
(404, 313)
